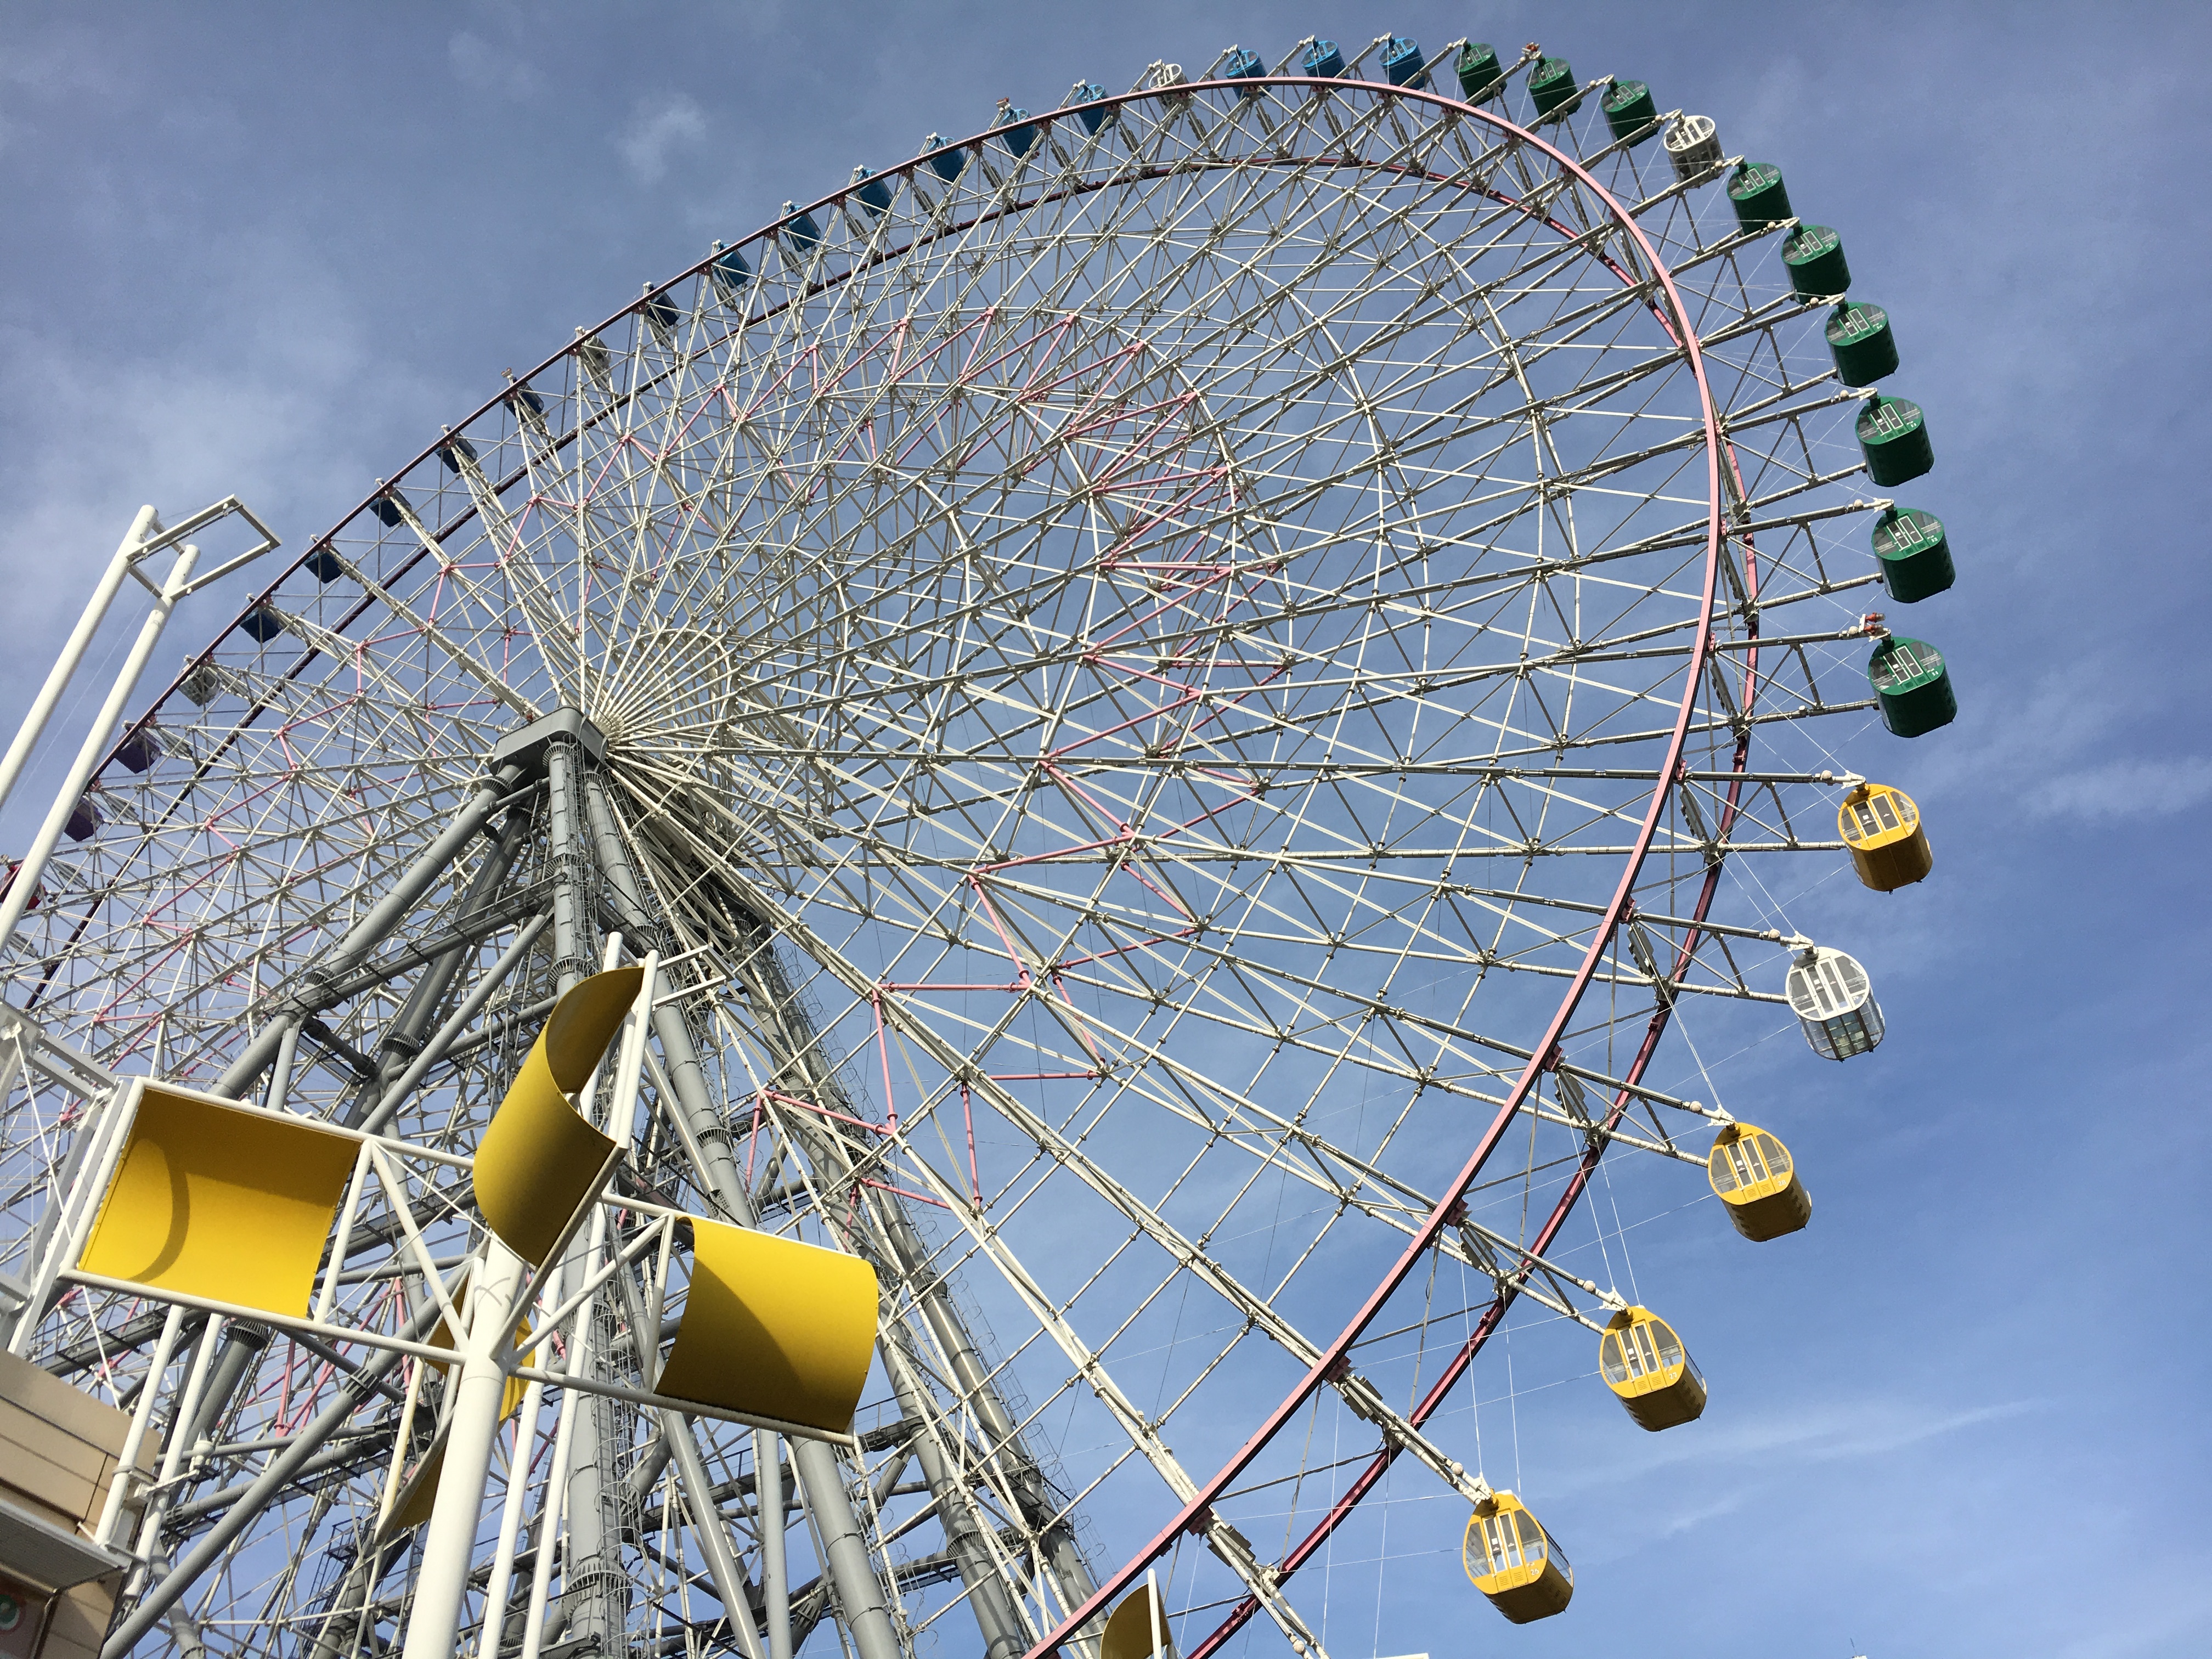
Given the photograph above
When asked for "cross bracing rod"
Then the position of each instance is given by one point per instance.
(282, 1470)
(795, 1051)
(481, 919)
(1360, 1394)
(370, 930)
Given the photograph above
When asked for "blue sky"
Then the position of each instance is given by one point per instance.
(271, 249)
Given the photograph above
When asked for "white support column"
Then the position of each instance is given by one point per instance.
(79, 1208)
(95, 743)
(767, 1498)
(73, 650)
(126, 1461)
(449, 1542)
(182, 1416)
(502, 1582)
(551, 1505)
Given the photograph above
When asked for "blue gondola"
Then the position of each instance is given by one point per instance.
(660, 311)
(873, 191)
(263, 623)
(1083, 98)
(949, 165)
(324, 566)
(1403, 63)
(456, 451)
(389, 508)
(731, 274)
(805, 236)
(1014, 128)
(1323, 60)
(1243, 65)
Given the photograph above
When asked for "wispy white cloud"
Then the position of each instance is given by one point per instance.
(270, 417)
(2125, 789)
(1674, 1525)
(485, 67)
(1820, 1433)
(39, 72)
(657, 127)
(2053, 751)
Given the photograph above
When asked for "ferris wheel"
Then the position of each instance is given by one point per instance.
(1149, 722)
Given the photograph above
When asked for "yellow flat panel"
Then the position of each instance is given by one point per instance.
(417, 1496)
(1129, 1631)
(773, 1328)
(210, 1201)
(538, 1158)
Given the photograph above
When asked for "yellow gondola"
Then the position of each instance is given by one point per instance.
(1643, 1362)
(1751, 1171)
(1882, 826)
(1512, 1560)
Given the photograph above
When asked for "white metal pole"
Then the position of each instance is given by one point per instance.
(126, 1460)
(81, 1205)
(518, 1495)
(549, 1513)
(472, 1427)
(182, 1420)
(767, 1499)
(57, 680)
(510, 1522)
(96, 742)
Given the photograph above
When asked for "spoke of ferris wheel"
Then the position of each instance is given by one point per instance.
(1478, 1250)
(1220, 1536)
(1308, 985)
(798, 1058)
(899, 1259)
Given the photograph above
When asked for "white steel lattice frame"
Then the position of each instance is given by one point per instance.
(1105, 659)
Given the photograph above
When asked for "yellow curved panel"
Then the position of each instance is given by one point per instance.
(210, 1201)
(1129, 1631)
(538, 1158)
(773, 1328)
(584, 1021)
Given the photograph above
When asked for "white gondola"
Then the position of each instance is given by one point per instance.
(1833, 1000)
